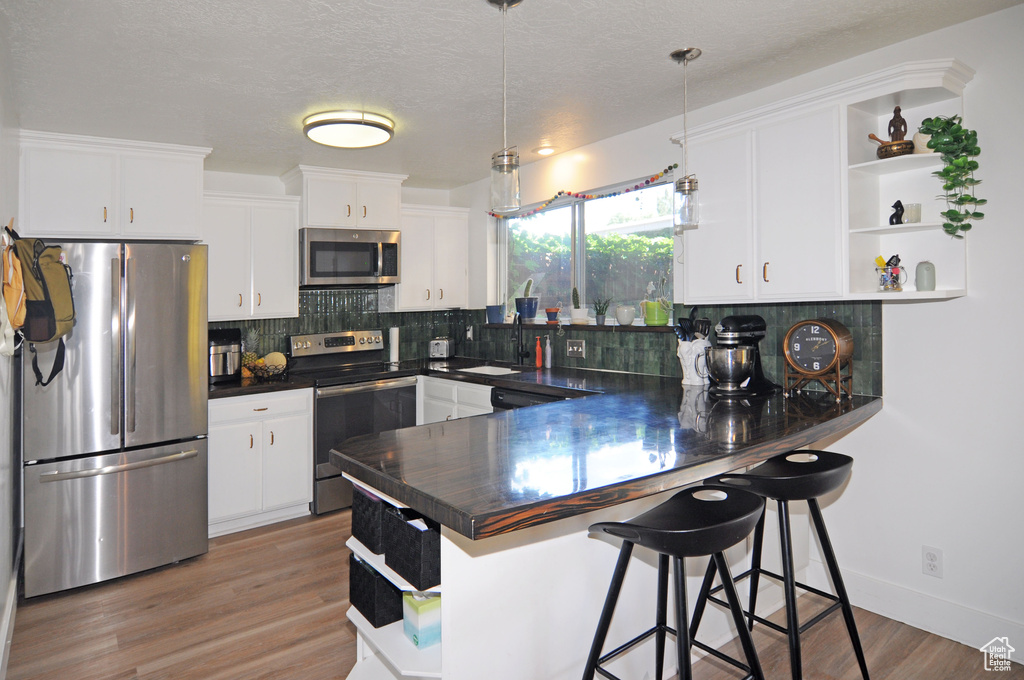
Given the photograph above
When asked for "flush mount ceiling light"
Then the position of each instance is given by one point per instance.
(348, 129)
(685, 203)
(544, 151)
(504, 163)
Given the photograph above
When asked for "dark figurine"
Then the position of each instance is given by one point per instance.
(897, 126)
(897, 211)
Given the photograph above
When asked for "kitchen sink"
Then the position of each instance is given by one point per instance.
(488, 370)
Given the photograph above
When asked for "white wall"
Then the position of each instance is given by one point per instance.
(941, 464)
(8, 209)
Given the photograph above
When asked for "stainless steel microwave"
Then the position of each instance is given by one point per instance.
(349, 257)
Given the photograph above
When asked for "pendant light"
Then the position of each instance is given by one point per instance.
(685, 203)
(504, 163)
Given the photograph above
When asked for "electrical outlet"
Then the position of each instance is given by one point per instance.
(469, 333)
(576, 349)
(931, 561)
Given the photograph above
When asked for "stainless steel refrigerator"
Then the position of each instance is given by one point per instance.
(114, 449)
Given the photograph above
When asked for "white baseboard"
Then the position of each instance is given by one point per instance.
(7, 622)
(950, 620)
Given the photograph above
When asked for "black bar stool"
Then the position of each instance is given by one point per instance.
(798, 475)
(693, 523)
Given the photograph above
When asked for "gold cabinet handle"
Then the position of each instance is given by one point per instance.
(428, 293)
(131, 215)
(764, 272)
(239, 299)
(271, 437)
(261, 409)
(738, 273)
(259, 299)
(442, 293)
(364, 211)
(349, 210)
(104, 213)
(250, 441)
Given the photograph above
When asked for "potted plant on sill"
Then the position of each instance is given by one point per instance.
(578, 315)
(657, 311)
(601, 309)
(526, 305)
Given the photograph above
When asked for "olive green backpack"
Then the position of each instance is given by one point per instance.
(49, 307)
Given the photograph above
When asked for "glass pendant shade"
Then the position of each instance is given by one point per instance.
(505, 181)
(685, 205)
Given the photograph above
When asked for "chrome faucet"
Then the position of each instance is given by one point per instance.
(521, 351)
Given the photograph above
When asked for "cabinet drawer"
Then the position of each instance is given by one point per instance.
(473, 395)
(261, 405)
(439, 389)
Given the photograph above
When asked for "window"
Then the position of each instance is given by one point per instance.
(609, 247)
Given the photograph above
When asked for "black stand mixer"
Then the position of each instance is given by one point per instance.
(742, 332)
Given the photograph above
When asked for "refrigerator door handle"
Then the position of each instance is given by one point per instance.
(115, 345)
(129, 377)
(114, 469)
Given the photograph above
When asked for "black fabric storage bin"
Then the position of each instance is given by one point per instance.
(374, 596)
(414, 555)
(368, 520)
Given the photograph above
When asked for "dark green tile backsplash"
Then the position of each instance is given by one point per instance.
(321, 311)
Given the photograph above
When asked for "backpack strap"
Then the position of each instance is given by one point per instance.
(58, 363)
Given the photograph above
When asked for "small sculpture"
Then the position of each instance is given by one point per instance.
(897, 126)
(897, 211)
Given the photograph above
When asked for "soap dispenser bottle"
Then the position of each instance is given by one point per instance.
(547, 352)
(537, 353)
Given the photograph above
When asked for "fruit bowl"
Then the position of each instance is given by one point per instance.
(266, 371)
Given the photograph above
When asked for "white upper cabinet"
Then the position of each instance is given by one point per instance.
(718, 255)
(770, 218)
(435, 258)
(795, 206)
(253, 255)
(798, 221)
(343, 198)
(88, 187)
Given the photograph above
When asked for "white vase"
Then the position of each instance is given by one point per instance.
(579, 316)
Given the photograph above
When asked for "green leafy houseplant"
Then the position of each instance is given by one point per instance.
(958, 146)
(601, 306)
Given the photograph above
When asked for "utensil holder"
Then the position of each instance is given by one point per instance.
(891, 279)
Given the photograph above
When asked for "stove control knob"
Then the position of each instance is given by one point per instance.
(362, 341)
(377, 339)
(307, 344)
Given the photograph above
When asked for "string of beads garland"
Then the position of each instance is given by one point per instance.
(636, 187)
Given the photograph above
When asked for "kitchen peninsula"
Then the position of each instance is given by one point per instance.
(514, 492)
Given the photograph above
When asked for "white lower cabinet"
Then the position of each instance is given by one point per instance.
(438, 399)
(260, 459)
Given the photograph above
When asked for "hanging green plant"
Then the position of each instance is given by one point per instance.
(958, 146)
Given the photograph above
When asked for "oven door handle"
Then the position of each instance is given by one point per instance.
(389, 384)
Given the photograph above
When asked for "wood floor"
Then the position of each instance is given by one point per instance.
(270, 604)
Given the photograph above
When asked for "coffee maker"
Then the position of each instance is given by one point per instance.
(744, 331)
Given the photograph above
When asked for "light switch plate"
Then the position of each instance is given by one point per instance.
(576, 349)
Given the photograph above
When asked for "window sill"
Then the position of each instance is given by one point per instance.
(608, 327)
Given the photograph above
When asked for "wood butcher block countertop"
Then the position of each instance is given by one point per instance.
(631, 436)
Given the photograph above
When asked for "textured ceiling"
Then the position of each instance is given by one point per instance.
(240, 75)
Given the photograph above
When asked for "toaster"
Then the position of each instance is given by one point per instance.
(441, 348)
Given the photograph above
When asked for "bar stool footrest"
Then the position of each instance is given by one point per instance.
(625, 647)
(836, 602)
(724, 657)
